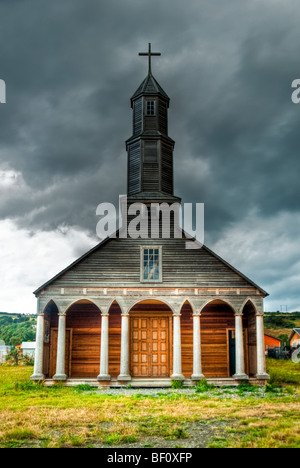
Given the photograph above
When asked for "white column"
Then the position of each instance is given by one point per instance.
(239, 349)
(177, 364)
(260, 349)
(104, 375)
(39, 350)
(61, 349)
(124, 368)
(197, 364)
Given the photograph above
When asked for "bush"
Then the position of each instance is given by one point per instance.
(177, 384)
(204, 386)
(247, 387)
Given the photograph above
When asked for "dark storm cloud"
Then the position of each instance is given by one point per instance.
(72, 66)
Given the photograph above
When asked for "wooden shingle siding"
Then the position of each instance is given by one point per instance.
(162, 117)
(138, 117)
(150, 177)
(117, 263)
(167, 168)
(134, 168)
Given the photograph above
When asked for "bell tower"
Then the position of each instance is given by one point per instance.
(150, 149)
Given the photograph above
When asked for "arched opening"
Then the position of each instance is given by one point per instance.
(218, 339)
(114, 339)
(187, 339)
(150, 339)
(83, 338)
(51, 323)
(249, 322)
(82, 342)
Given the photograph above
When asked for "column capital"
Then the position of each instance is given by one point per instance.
(197, 314)
(238, 313)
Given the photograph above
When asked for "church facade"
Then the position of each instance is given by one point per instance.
(146, 310)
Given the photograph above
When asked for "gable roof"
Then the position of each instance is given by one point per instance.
(274, 337)
(102, 244)
(294, 331)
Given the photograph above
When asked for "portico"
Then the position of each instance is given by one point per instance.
(154, 340)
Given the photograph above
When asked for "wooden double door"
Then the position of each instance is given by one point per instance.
(150, 345)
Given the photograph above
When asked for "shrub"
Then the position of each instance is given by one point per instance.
(177, 384)
(204, 386)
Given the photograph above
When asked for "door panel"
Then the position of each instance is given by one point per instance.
(150, 347)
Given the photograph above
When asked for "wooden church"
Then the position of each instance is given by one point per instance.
(148, 311)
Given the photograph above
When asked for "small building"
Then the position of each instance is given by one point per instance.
(271, 342)
(28, 348)
(294, 338)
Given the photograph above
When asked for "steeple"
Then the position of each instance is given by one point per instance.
(150, 149)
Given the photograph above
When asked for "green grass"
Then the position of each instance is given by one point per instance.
(32, 415)
(283, 372)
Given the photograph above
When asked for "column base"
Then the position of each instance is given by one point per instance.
(177, 377)
(262, 376)
(240, 377)
(103, 377)
(37, 377)
(197, 377)
(124, 378)
(60, 377)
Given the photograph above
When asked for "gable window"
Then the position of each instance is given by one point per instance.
(151, 265)
(150, 110)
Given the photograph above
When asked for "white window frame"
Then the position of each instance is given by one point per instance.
(148, 101)
(154, 247)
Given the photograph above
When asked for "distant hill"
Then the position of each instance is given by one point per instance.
(15, 328)
(280, 324)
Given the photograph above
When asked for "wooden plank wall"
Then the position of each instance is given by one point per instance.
(85, 322)
(114, 340)
(249, 321)
(187, 340)
(84, 339)
(216, 319)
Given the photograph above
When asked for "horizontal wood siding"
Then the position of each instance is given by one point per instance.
(114, 339)
(150, 177)
(85, 322)
(138, 117)
(117, 263)
(134, 168)
(162, 117)
(167, 168)
(187, 340)
(215, 321)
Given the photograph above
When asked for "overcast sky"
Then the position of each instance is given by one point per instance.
(70, 69)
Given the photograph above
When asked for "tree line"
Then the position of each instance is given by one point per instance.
(17, 328)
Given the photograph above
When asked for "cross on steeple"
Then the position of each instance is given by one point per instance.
(149, 54)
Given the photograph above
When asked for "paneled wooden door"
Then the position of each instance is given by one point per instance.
(150, 346)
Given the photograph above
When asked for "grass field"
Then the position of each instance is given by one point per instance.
(246, 417)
